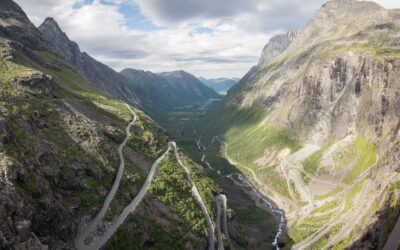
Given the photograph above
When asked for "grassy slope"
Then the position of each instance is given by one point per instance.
(74, 88)
(250, 226)
(248, 134)
(248, 138)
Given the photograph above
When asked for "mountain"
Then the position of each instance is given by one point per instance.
(220, 85)
(170, 89)
(60, 152)
(96, 72)
(277, 45)
(315, 126)
(189, 83)
(173, 99)
(15, 25)
(76, 159)
(157, 94)
(65, 47)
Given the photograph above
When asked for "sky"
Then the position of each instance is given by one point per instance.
(210, 38)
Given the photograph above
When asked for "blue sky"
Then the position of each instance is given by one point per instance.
(211, 38)
(134, 19)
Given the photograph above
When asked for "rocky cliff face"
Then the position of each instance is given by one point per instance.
(14, 24)
(58, 154)
(322, 131)
(277, 45)
(156, 93)
(65, 47)
(97, 73)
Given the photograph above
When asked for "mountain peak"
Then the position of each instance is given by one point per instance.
(16, 26)
(176, 72)
(336, 20)
(50, 25)
(277, 45)
(348, 9)
(347, 12)
(9, 9)
(50, 21)
(71, 52)
(340, 4)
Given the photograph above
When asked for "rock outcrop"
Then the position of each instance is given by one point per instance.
(96, 72)
(335, 84)
(277, 45)
(68, 49)
(59, 135)
(154, 92)
(15, 25)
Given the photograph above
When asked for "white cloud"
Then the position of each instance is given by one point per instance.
(37, 10)
(175, 11)
(236, 31)
(390, 4)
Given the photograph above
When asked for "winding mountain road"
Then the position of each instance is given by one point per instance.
(221, 201)
(220, 242)
(344, 220)
(231, 161)
(80, 243)
(85, 229)
(128, 209)
(245, 183)
(196, 194)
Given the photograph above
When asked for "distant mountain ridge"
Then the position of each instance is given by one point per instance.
(155, 93)
(171, 89)
(220, 85)
(64, 141)
(97, 73)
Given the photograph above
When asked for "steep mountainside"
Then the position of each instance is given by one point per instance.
(75, 161)
(316, 127)
(277, 45)
(15, 24)
(59, 157)
(170, 89)
(97, 73)
(156, 94)
(190, 85)
(175, 100)
(220, 85)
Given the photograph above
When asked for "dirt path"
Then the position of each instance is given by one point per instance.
(355, 217)
(86, 229)
(349, 220)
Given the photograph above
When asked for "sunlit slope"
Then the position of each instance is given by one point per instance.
(316, 128)
(58, 156)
